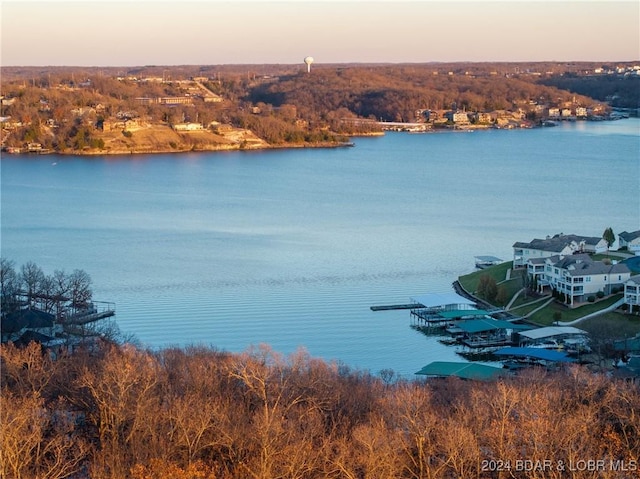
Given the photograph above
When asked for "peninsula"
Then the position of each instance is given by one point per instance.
(89, 111)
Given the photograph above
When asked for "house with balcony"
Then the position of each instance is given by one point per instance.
(581, 112)
(566, 114)
(553, 113)
(482, 118)
(457, 117)
(577, 276)
(632, 293)
(631, 241)
(559, 244)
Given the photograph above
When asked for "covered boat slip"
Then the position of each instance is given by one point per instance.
(440, 308)
(432, 317)
(518, 358)
(431, 302)
(535, 353)
(442, 301)
(486, 332)
(540, 336)
(486, 261)
(445, 369)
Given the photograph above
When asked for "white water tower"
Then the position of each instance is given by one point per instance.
(308, 61)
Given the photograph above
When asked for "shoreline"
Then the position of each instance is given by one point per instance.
(263, 146)
(218, 149)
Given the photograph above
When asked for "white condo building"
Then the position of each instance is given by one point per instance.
(559, 244)
(577, 276)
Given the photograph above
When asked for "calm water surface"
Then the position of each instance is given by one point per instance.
(292, 247)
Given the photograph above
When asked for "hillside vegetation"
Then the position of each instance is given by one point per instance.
(111, 110)
(116, 412)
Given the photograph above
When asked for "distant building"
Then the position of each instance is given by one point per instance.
(211, 98)
(176, 100)
(166, 100)
(631, 241)
(483, 117)
(457, 117)
(188, 126)
(559, 244)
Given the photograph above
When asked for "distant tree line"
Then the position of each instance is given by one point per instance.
(64, 110)
(123, 412)
(617, 90)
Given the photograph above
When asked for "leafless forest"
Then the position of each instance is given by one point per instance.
(116, 412)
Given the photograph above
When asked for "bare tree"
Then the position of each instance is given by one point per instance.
(122, 394)
(10, 286)
(35, 442)
(32, 278)
(79, 287)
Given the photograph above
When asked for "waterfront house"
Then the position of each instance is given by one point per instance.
(554, 113)
(457, 117)
(559, 244)
(566, 114)
(16, 323)
(632, 293)
(482, 118)
(187, 126)
(577, 276)
(581, 112)
(631, 241)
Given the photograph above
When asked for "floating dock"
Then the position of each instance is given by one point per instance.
(391, 307)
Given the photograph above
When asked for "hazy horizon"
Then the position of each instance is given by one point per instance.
(212, 32)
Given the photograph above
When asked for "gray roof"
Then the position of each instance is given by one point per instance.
(538, 260)
(28, 318)
(491, 259)
(629, 236)
(557, 243)
(582, 265)
(597, 267)
(550, 331)
(433, 300)
(575, 260)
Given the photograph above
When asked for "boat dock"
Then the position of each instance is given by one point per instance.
(392, 307)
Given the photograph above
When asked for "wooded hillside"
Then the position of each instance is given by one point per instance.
(95, 110)
(123, 412)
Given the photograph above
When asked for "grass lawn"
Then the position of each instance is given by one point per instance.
(612, 325)
(545, 316)
(498, 272)
(524, 306)
(471, 281)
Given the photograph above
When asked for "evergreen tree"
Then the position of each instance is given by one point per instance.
(609, 237)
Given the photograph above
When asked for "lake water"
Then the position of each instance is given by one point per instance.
(292, 247)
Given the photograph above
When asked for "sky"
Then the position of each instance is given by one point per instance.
(216, 32)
